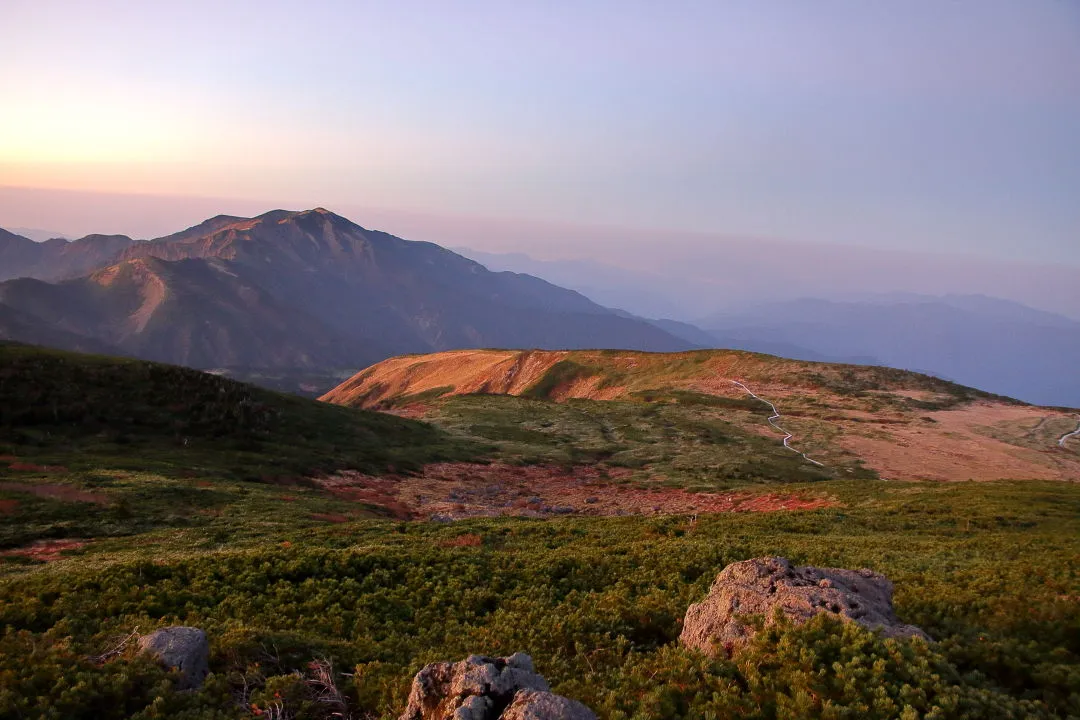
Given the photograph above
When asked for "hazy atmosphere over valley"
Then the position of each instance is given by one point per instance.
(539, 361)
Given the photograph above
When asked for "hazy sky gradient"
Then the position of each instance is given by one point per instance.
(920, 125)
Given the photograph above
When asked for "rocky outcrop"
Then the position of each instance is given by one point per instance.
(760, 586)
(185, 649)
(487, 688)
(532, 705)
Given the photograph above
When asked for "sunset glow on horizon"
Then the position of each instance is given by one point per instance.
(922, 126)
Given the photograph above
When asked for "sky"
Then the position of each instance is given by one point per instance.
(920, 125)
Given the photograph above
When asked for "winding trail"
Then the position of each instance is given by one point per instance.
(1075, 433)
(788, 436)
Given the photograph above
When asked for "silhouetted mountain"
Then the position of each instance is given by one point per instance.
(313, 290)
(690, 333)
(15, 324)
(200, 313)
(38, 234)
(637, 292)
(57, 259)
(994, 344)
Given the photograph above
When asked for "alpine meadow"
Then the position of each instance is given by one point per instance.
(696, 361)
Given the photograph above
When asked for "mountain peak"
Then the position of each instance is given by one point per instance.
(287, 215)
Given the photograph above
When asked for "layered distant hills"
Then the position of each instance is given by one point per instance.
(993, 344)
(57, 258)
(288, 291)
(300, 300)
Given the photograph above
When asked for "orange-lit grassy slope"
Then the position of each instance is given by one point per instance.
(903, 425)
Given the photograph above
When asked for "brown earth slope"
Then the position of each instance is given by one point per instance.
(903, 425)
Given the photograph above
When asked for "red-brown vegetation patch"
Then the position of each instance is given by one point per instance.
(330, 517)
(8, 506)
(467, 540)
(378, 491)
(45, 550)
(53, 491)
(8, 458)
(32, 467)
(462, 490)
(413, 411)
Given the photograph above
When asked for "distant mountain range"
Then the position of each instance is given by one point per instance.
(998, 345)
(298, 290)
(57, 259)
(287, 298)
(992, 344)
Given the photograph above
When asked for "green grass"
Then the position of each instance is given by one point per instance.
(990, 571)
(182, 535)
(687, 439)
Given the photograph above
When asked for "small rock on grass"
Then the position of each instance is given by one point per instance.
(181, 648)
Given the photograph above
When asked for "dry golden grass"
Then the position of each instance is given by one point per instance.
(902, 425)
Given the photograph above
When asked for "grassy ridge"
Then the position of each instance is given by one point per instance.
(633, 372)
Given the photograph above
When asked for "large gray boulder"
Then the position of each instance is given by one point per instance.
(483, 688)
(533, 705)
(719, 623)
(185, 649)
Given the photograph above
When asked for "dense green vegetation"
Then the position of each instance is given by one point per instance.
(990, 571)
(222, 532)
(84, 411)
(697, 441)
(303, 382)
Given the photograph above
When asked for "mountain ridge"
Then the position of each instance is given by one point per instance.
(899, 424)
(57, 258)
(310, 289)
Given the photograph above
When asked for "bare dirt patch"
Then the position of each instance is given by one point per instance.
(45, 550)
(959, 445)
(54, 491)
(449, 491)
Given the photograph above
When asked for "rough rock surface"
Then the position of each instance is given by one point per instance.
(759, 586)
(484, 688)
(533, 705)
(182, 648)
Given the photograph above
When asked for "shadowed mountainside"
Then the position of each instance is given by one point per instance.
(310, 290)
(190, 312)
(83, 410)
(57, 259)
